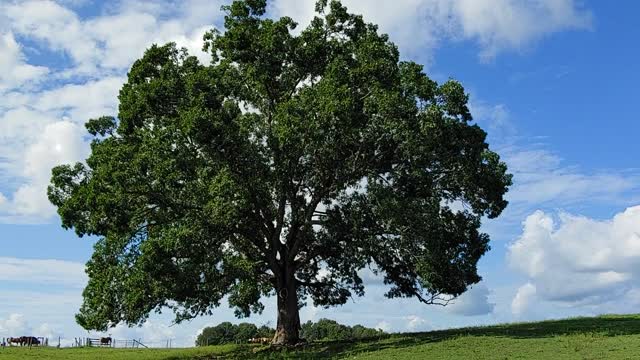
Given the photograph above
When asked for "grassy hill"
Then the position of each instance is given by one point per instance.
(604, 337)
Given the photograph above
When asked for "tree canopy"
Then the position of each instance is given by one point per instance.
(285, 167)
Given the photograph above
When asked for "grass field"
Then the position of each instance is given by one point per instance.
(605, 337)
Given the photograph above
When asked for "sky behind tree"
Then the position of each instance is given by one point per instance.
(554, 82)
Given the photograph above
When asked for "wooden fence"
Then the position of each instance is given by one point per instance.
(127, 344)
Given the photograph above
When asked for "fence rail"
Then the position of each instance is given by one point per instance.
(90, 342)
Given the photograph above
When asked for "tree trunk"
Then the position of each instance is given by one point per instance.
(288, 329)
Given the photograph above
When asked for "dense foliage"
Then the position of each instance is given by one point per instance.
(285, 167)
(228, 333)
(322, 330)
(325, 329)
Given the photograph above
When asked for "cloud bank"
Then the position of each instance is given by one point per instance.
(495, 25)
(576, 260)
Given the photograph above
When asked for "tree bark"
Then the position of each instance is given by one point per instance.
(288, 328)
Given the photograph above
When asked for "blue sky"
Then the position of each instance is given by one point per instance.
(554, 82)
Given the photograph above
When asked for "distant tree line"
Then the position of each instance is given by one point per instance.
(324, 329)
(228, 333)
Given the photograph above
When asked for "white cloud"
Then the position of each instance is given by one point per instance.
(97, 46)
(497, 25)
(42, 127)
(523, 299)
(384, 326)
(512, 24)
(41, 130)
(81, 102)
(54, 25)
(416, 323)
(59, 143)
(17, 325)
(579, 261)
(542, 179)
(14, 69)
(541, 176)
(474, 302)
(496, 119)
(14, 325)
(31, 143)
(569, 185)
(50, 332)
(42, 271)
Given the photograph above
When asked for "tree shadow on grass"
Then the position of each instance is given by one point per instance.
(603, 326)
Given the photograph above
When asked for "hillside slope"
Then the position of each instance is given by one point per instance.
(604, 337)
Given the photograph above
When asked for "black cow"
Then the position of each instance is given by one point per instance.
(25, 341)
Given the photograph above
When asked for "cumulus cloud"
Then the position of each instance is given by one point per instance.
(40, 130)
(41, 126)
(44, 312)
(577, 260)
(523, 299)
(14, 325)
(496, 25)
(60, 142)
(31, 143)
(542, 179)
(48, 331)
(15, 71)
(416, 323)
(474, 302)
(79, 102)
(96, 45)
(512, 24)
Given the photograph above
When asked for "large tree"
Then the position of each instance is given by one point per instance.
(283, 168)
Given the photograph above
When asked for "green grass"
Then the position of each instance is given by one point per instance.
(605, 337)
(35, 353)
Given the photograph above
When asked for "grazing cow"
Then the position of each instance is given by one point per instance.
(25, 341)
(30, 340)
(105, 341)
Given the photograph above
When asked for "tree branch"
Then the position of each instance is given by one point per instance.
(275, 238)
(308, 221)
